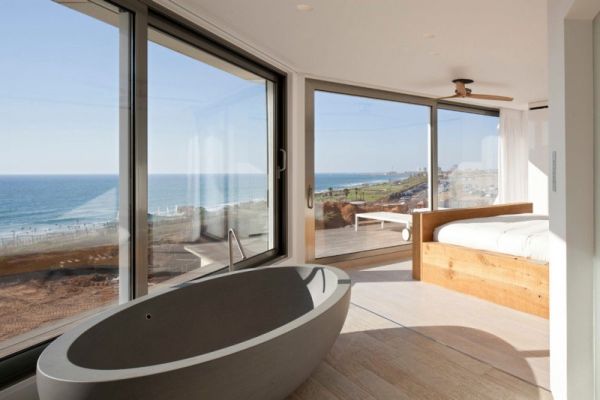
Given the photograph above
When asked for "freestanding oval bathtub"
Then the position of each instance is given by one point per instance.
(251, 334)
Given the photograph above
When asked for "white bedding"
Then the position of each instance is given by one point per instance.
(524, 235)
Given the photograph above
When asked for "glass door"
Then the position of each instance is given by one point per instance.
(367, 172)
(210, 161)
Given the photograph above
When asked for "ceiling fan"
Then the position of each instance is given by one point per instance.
(463, 92)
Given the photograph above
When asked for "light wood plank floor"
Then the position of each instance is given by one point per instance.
(412, 340)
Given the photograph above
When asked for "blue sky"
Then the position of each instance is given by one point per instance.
(201, 118)
(59, 110)
(58, 90)
(354, 134)
(467, 140)
(59, 101)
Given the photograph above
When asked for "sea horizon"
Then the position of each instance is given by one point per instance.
(40, 203)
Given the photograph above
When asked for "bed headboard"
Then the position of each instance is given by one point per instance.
(424, 223)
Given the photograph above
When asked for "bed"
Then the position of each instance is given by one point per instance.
(498, 253)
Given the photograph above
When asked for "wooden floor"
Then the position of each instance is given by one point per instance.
(332, 242)
(411, 340)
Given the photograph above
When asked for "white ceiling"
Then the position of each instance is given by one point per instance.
(501, 44)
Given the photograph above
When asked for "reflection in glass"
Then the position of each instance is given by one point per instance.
(467, 159)
(208, 160)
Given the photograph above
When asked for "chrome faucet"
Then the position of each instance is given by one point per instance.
(230, 236)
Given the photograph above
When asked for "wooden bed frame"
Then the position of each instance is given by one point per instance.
(512, 281)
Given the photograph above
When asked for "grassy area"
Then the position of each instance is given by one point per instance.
(376, 192)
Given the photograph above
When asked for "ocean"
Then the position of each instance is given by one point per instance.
(45, 203)
(324, 181)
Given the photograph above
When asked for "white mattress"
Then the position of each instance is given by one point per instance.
(524, 235)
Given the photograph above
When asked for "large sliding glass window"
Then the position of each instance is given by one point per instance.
(126, 155)
(467, 159)
(370, 172)
(209, 162)
(372, 160)
(62, 99)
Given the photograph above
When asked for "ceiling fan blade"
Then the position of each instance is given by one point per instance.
(449, 97)
(489, 97)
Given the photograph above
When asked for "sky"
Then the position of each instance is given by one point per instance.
(203, 119)
(58, 90)
(467, 140)
(59, 110)
(59, 101)
(354, 134)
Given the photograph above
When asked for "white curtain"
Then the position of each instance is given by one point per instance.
(513, 157)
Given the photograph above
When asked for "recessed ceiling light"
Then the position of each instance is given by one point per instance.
(429, 36)
(304, 7)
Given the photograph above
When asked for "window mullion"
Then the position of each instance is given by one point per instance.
(433, 159)
(140, 154)
(125, 145)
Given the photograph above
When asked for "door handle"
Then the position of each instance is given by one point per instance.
(283, 161)
(309, 197)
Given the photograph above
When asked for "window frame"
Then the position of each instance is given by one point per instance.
(316, 85)
(134, 161)
(181, 29)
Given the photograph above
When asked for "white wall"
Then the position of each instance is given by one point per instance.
(571, 205)
(296, 171)
(538, 169)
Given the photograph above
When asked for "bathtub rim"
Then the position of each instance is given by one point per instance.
(60, 368)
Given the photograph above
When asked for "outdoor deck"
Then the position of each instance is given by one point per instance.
(331, 242)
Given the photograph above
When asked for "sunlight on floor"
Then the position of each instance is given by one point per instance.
(410, 340)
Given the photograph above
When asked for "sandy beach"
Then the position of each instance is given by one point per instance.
(63, 274)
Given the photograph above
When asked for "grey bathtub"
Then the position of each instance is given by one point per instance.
(252, 334)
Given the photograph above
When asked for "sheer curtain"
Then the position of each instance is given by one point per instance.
(513, 157)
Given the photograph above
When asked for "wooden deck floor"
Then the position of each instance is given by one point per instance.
(331, 242)
(412, 340)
